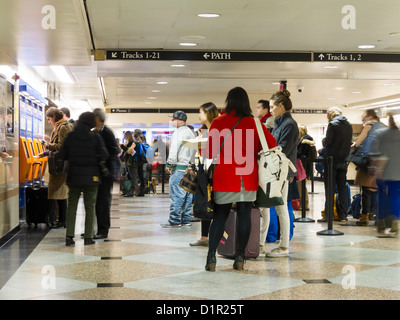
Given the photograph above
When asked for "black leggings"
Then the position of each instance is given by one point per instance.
(217, 228)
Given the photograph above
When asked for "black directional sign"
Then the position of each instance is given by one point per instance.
(355, 57)
(131, 55)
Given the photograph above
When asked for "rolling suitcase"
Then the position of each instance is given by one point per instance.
(37, 203)
(228, 244)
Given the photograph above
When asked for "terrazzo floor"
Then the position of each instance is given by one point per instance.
(142, 261)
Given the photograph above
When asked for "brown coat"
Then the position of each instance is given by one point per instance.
(363, 179)
(58, 188)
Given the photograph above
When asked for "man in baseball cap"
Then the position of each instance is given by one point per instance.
(179, 159)
(179, 115)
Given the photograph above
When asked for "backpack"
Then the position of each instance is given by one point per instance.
(355, 208)
(146, 153)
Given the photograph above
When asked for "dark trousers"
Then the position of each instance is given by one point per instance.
(136, 173)
(62, 210)
(205, 227)
(339, 182)
(217, 227)
(103, 205)
(368, 200)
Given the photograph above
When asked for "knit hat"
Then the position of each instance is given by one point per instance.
(88, 119)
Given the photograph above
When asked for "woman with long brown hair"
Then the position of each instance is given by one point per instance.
(58, 189)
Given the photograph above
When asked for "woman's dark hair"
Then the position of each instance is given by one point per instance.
(371, 113)
(55, 113)
(238, 101)
(284, 98)
(211, 111)
(265, 104)
(128, 135)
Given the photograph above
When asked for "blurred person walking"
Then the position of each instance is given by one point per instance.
(385, 158)
(128, 151)
(367, 182)
(235, 177)
(103, 203)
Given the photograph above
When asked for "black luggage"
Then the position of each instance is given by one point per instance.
(228, 244)
(37, 203)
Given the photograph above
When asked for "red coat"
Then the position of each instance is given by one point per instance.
(238, 157)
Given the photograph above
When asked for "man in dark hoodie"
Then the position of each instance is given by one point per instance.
(86, 155)
(336, 144)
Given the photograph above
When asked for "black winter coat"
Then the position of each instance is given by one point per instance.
(286, 133)
(338, 139)
(83, 149)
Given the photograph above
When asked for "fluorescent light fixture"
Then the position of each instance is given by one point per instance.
(155, 91)
(208, 15)
(7, 71)
(152, 98)
(356, 92)
(178, 65)
(62, 74)
(188, 44)
(389, 84)
(162, 82)
(331, 67)
(103, 90)
(366, 46)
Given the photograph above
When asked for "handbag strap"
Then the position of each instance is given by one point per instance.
(265, 148)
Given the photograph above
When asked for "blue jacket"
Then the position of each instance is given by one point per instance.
(286, 134)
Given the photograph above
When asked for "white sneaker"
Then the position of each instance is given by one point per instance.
(278, 252)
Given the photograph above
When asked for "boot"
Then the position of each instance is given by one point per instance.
(69, 241)
(381, 226)
(211, 261)
(364, 220)
(395, 227)
(87, 241)
(239, 261)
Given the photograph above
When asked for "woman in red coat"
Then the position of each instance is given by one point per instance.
(236, 172)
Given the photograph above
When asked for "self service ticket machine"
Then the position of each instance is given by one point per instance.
(31, 118)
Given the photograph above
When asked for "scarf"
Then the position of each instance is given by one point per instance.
(56, 125)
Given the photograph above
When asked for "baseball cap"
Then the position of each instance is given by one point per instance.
(180, 115)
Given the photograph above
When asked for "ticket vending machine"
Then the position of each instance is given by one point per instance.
(31, 118)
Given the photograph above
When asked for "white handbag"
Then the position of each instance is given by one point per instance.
(273, 166)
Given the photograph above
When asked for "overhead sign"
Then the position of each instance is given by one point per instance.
(309, 111)
(131, 55)
(355, 57)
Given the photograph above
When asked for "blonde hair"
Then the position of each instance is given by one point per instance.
(334, 112)
(302, 131)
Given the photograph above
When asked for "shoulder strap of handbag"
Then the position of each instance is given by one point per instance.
(265, 148)
(223, 142)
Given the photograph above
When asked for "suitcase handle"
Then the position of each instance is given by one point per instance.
(40, 175)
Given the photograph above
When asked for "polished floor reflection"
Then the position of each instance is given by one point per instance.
(141, 260)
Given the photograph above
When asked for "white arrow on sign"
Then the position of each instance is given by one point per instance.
(206, 56)
(321, 56)
(114, 54)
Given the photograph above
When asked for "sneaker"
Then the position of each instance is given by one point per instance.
(171, 225)
(278, 252)
(188, 224)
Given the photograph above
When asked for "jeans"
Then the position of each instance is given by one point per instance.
(89, 198)
(181, 200)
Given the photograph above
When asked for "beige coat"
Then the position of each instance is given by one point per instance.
(58, 189)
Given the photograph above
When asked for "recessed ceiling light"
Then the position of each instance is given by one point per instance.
(188, 44)
(366, 46)
(155, 91)
(276, 83)
(395, 34)
(331, 67)
(151, 98)
(162, 82)
(339, 88)
(389, 84)
(208, 15)
(178, 65)
(356, 92)
(331, 98)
